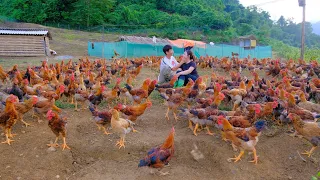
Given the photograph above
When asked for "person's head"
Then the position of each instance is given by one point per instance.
(188, 55)
(167, 50)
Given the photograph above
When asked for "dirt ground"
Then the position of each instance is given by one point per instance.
(94, 155)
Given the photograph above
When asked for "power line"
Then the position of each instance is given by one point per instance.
(269, 2)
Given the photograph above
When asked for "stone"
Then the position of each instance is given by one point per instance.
(51, 149)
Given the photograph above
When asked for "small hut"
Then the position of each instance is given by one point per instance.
(248, 42)
(24, 42)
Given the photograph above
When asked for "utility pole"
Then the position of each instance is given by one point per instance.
(302, 3)
(88, 15)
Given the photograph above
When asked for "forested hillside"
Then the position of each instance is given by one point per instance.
(208, 20)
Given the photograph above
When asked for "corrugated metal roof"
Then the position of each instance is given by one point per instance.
(34, 32)
(143, 40)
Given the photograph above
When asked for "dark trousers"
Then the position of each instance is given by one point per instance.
(185, 78)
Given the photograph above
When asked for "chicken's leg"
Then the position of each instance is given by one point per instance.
(55, 144)
(167, 114)
(105, 131)
(99, 127)
(175, 115)
(190, 125)
(76, 106)
(309, 153)
(208, 131)
(121, 143)
(195, 129)
(26, 124)
(72, 99)
(236, 159)
(10, 135)
(235, 106)
(8, 141)
(64, 145)
(255, 157)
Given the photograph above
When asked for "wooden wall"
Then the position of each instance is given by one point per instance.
(19, 45)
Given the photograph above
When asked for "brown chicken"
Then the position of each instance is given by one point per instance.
(169, 84)
(3, 76)
(310, 106)
(133, 112)
(243, 138)
(137, 95)
(58, 126)
(42, 107)
(174, 101)
(9, 117)
(309, 130)
(293, 108)
(236, 94)
(24, 107)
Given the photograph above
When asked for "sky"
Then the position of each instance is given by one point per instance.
(287, 8)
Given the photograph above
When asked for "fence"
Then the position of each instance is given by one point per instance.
(127, 49)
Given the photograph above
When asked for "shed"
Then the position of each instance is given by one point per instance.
(24, 42)
(248, 42)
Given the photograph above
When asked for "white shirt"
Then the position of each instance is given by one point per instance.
(172, 62)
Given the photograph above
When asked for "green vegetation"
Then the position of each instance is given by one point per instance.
(206, 20)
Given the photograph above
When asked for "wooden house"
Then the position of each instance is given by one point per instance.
(24, 42)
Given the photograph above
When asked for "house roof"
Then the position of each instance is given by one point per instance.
(143, 40)
(29, 32)
(251, 37)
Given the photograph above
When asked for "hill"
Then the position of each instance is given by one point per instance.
(206, 20)
(316, 28)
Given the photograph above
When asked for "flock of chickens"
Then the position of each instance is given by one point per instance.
(288, 94)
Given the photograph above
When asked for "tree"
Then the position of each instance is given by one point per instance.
(282, 22)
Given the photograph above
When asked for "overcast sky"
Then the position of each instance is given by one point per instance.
(288, 8)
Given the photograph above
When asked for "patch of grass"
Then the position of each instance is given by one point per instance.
(225, 107)
(64, 105)
(156, 98)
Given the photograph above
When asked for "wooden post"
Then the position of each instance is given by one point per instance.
(303, 4)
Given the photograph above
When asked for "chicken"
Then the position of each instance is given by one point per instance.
(102, 118)
(43, 106)
(137, 95)
(133, 112)
(4, 76)
(82, 97)
(123, 71)
(8, 118)
(236, 94)
(58, 127)
(174, 101)
(15, 90)
(303, 113)
(169, 84)
(245, 139)
(309, 130)
(160, 156)
(135, 72)
(120, 126)
(310, 106)
(152, 86)
(24, 107)
(97, 98)
(316, 82)
(267, 109)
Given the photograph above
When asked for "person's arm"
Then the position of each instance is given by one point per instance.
(177, 66)
(186, 72)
